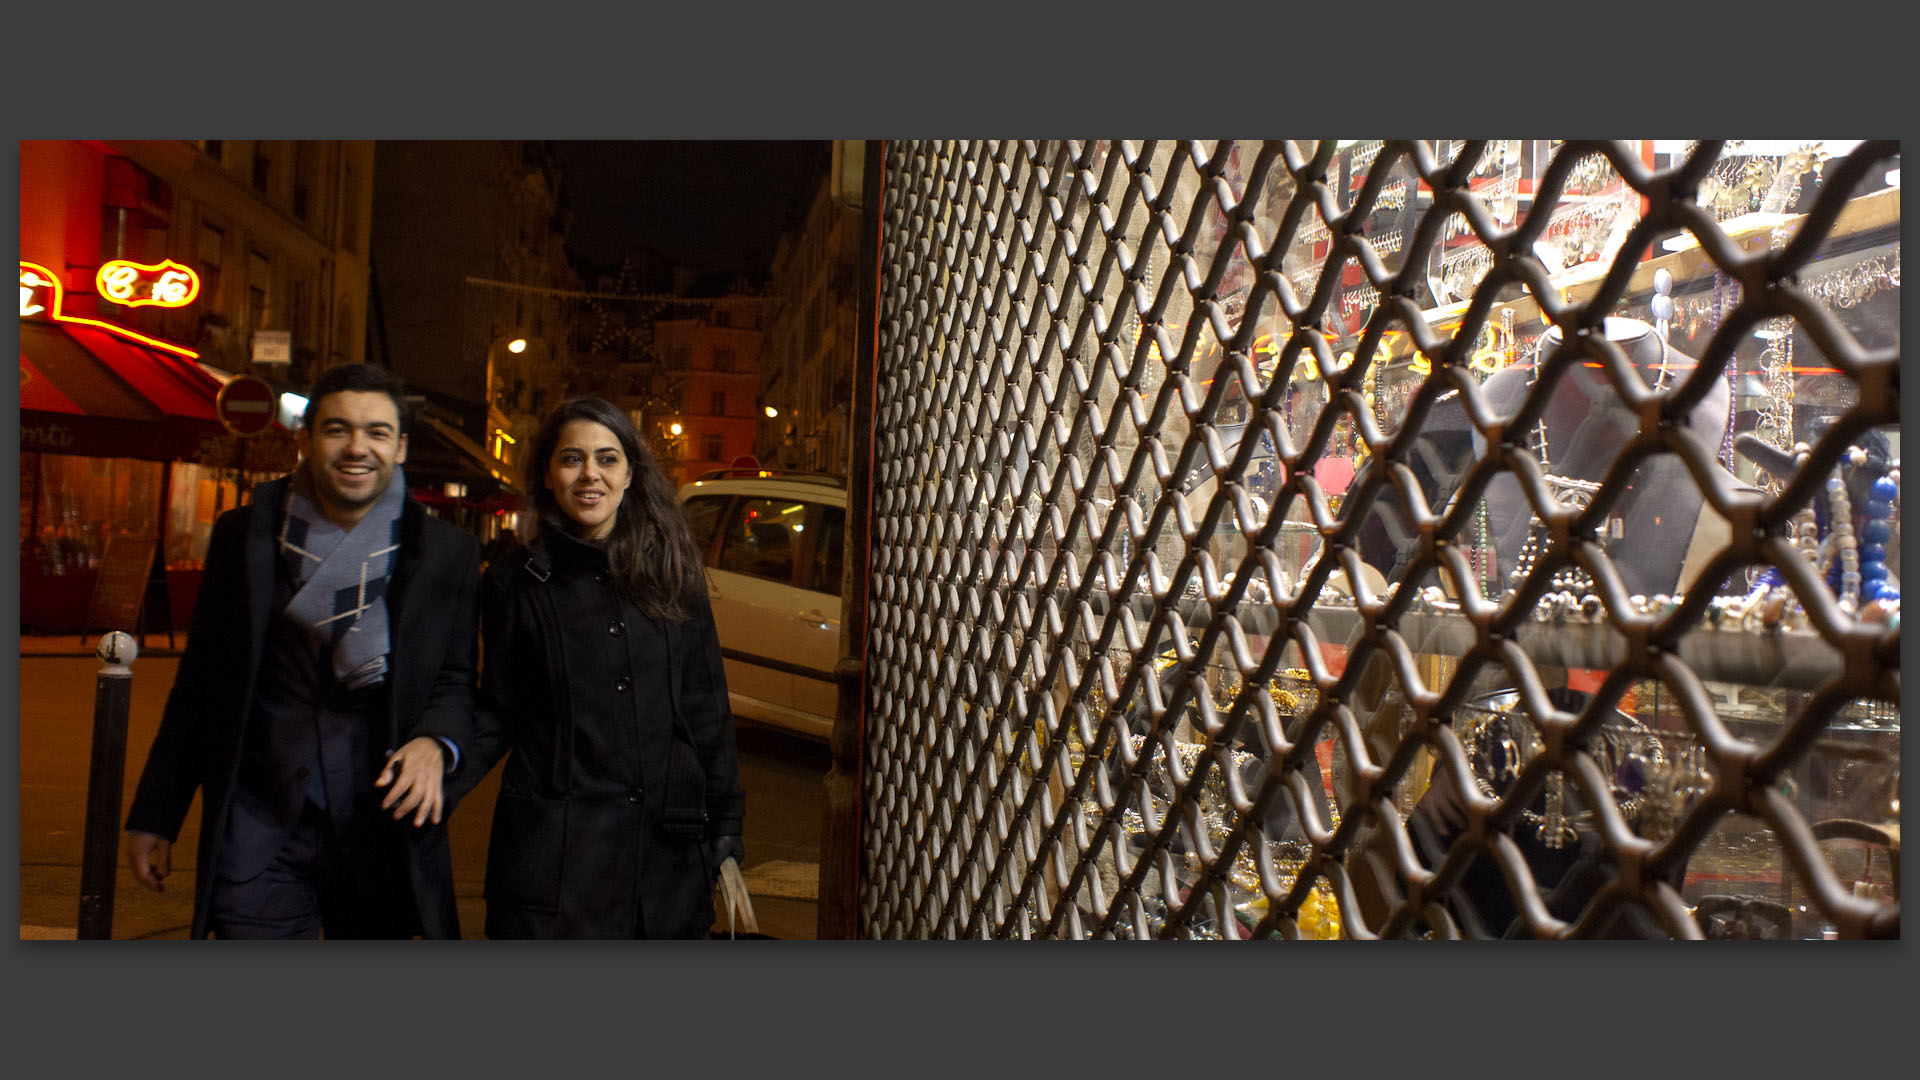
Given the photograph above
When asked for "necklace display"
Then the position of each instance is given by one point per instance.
(1853, 566)
(1572, 596)
(1650, 787)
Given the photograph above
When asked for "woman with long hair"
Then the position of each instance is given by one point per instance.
(601, 684)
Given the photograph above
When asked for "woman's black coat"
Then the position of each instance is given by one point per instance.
(622, 777)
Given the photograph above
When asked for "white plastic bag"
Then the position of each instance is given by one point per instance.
(733, 896)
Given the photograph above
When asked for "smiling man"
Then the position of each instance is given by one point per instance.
(325, 691)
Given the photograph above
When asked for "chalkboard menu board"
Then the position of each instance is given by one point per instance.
(121, 586)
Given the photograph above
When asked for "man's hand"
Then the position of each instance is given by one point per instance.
(414, 773)
(151, 858)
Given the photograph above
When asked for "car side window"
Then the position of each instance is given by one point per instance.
(760, 538)
(703, 517)
(827, 549)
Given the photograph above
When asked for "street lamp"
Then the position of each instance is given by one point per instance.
(772, 412)
(675, 428)
(517, 345)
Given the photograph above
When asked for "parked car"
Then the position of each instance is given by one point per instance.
(773, 543)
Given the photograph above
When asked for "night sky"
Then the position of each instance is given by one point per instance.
(716, 205)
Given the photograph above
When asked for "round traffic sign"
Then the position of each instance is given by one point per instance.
(746, 461)
(247, 405)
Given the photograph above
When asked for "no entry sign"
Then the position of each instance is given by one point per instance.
(247, 405)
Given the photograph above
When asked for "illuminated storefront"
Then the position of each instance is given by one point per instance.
(119, 443)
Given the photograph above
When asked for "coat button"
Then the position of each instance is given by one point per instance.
(621, 686)
(617, 629)
(633, 796)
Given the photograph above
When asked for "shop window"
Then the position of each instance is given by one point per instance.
(85, 501)
(29, 495)
(200, 495)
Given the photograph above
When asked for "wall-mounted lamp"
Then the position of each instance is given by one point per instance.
(772, 412)
(517, 345)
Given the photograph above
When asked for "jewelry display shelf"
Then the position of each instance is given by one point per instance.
(1878, 210)
(1784, 659)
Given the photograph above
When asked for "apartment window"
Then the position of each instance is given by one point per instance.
(343, 334)
(350, 213)
(300, 310)
(259, 289)
(213, 244)
(212, 147)
(711, 447)
(113, 224)
(262, 169)
(723, 359)
(310, 163)
(717, 402)
(722, 316)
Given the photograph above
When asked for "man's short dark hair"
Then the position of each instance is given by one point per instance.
(357, 377)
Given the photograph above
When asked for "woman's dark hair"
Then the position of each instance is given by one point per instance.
(651, 553)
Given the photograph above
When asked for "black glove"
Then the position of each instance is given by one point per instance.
(722, 848)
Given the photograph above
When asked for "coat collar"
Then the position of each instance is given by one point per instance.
(551, 549)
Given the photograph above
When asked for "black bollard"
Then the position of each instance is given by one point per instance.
(100, 858)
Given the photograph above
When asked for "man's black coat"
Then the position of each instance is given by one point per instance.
(433, 612)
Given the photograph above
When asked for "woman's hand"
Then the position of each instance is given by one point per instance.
(414, 773)
(722, 848)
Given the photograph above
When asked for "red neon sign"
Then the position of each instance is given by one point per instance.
(167, 284)
(41, 296)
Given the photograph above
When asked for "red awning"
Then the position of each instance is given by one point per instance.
(90, 392)
(37, 393)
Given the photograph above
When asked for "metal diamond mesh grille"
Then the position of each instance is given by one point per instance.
(1405, 539)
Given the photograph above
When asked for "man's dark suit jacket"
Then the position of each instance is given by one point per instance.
(433, 613)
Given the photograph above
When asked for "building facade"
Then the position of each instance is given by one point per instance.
(702, 409)
(469, 265)
(276, 230)
(160, 270)
(805, 376)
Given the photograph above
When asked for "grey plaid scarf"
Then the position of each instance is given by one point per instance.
(340, 577)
